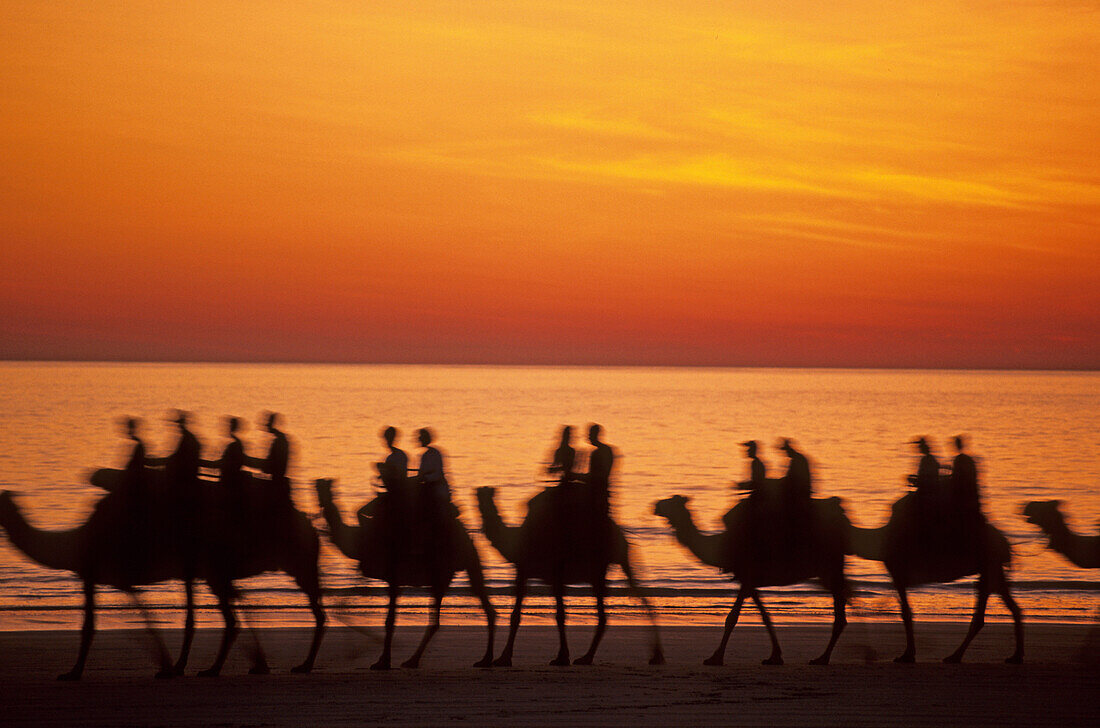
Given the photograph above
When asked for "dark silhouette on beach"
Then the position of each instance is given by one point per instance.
(926, 541)
(758, 472)
(189, 530)
(1082, 551)
(536, 550)
(758, 554)
(277, 463)
(564, 459)
(370, 543)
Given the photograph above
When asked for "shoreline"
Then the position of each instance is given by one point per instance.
(1058, 683)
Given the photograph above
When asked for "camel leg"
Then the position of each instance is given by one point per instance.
(188, 626)
(910, 654)
(477, 584)
(1016, 657)
(311, 585)
(719, 655)
(433, 627)
(87, 631)
(383, 662)
(976, 622)
(840, 621)
(559, 615)
(776, 657)
(599, 588)
(229, 633)
(259, 658)
(505, 659)
(658, 657)
(166, 668)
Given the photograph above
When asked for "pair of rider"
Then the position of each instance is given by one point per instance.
(796, 483)
(956, 508)
(581, 502)
(600, 462)
(418, 518)
(793, 505)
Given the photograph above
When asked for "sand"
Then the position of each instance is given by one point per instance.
(1059, 684)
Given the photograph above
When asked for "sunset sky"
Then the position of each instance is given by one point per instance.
(737, 183)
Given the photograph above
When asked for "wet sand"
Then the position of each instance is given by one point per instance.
(1058, 684)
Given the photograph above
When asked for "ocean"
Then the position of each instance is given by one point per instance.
(676, 431)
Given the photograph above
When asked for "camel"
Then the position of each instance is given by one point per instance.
(101, 552)
(732, 551)
(368, 544)
(534, 548)
(1082, 551)
(903, 548)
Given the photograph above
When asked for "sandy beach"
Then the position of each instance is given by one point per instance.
(1059, 683)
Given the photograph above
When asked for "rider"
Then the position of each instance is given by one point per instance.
(758, 474)
(797, 495)
(230, 467)
(181, 470)
(965, 495)
(600, 462)
(134, 498)
(435, 499)
(277, 462)
(926, 481)
(394, 470)
(564, 457)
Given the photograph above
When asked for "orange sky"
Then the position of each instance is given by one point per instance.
(682, 182)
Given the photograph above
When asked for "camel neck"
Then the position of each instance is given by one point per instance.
(344, 537)
(53, 549)
(702, 546)
(500, 535)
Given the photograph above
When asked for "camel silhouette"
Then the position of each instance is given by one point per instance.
(103, 552)
(368, 544)
(1082, 551)
(735, 552)
(912, 559)
(535, 549)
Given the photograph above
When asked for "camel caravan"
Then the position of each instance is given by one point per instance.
(165, 519)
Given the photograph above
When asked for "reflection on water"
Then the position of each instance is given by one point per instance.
(677, 431)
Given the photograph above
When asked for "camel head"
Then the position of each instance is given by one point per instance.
(672, 507)
(1045, 514)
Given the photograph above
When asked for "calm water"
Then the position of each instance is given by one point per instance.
(676, 429)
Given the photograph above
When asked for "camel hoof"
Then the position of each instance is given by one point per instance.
(560, 661)
(304, 669)
(259, 670)
(70, 676)
(209, 672)
(166, 673)
(411, 664)
(772, 661)
(584, 660)
(381, 665)
(905, 659)
(714, 661)
(820, 661)
(502, 662)
(953, 659)
(1015, 660)
(484, 662)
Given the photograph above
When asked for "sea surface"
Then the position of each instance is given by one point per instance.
(676, 431)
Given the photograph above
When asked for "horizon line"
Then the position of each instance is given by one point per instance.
(533, 365)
